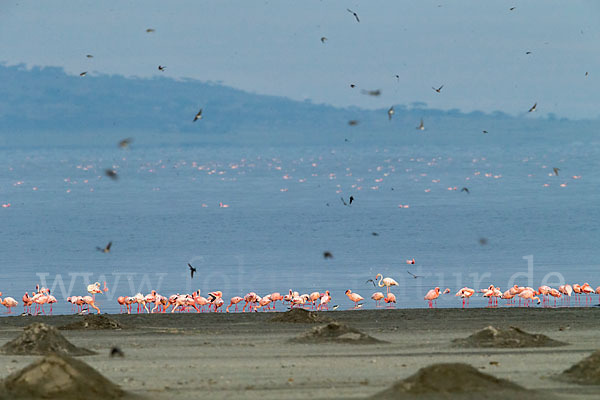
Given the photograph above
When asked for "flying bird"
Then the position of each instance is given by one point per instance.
(374, 233)
(112, 174)
(533, 108)
(162, 67)
(372, 92)
(353, 13)
(527, 52)
(89, 56)
(352, 85)
(483, 241)
(391, 112)
(372, 281)
(150, 30)
(106, 249)
(413, 275)
(323, 39)
(198, 116)
(125, 143)
(485, 131)
(556, 171)
(353, 122)
(410, 261)
(421, 127)
(512, 8)
(586, 73)
(398, 77)
(351, 199)
(335, 307)
(192, 270)
(327, 254)
(116, 352)
(84, 73)
(465, 190)
(438, 89)
(343, 201)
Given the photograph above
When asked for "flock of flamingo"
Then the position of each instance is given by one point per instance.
(155, 302)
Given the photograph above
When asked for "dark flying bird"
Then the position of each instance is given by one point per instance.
(483, 241)
(162, 67)
(351, 199)
(352, 85)
(343, 201)
(485, 131)
(390, 113)
(84, 73)
(150, 30)
(586, 73)
(372, 281)
(89, 56)
(116, 352)
(192, 270)
(398, 78)
(413, 275)
(533, 108)
(125, 143)
(327, 254)
(371, 92)
(112, 174)
(353, 122)
(438, 89)
(421, 127)
(106, 249)
(556, 171)
(512, 8)
(198, 116)
(335, 307)
(465, 190)
(374, 233)
(323, 39)
(527, 52)
(353, 13)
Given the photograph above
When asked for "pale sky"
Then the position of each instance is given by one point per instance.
(476, 49)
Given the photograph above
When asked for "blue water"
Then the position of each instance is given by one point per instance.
(273, 234)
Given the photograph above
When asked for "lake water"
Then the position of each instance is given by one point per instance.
(285, 211)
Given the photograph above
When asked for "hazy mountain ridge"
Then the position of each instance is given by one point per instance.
(47, 100)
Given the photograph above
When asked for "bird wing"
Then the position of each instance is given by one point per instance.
(343, 201)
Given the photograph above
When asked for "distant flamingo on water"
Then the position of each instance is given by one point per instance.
(390, 299)
(465, 294)
(9, 303)
(433, 294)
(354, 297)
(377, 296)
(387, 282)
(234, 301)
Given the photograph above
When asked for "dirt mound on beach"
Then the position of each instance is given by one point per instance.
(59, 377)
(453, 381)
(512, 337)
(299, 315)
(93, 322)
(585, 372)
(335, 332)
(42, 339)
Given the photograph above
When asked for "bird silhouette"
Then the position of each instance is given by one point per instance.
(162, 67)
(192, 270)
(84, 73)
(89, 56)
(343, 201)
(465, 190)
(439, 90)
(335, 307)
(351, 199)
(556, 171)
(485, 131)
(512, 8)
(352, 85)
(413, 275)
(483, 241)
(198, 116)
(527, 52)
(327, 254)
(533, 108)
(353, 122)
(421, 126)
(105, 249)
(112, 174)
(353, 13)
(125, 143)
(323, 39)
(374, 233)
(150, 30)
(390, 113)
(372, 281)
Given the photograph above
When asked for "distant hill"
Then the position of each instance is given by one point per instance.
(47, 106)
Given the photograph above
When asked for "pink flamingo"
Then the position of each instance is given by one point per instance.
(200, 300)
(528, 295)
(556, 294)
(276, 297)
(50, 300)
(9, 303)
(354, 297)
(234, 301)
(89, 300)
(544, 290)
(377, 296)
(250, 298)
(508, 295)
(390, 299)
(325, 299)
(27, 302)
(387, 282)
(121, 301)
(432, 296)
(314, 297)
(465, 294)
(588, 291)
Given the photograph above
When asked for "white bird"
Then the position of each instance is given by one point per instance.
(387, 282)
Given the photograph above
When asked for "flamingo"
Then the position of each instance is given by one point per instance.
(325, 299)
(234, 300)
(51, 300)
(354, 297)
(89, 300)
(432, 296)
(314, 297)
(9, 303)
(390, 299)
(27, 302)
(121, 301)
(93, 289)
(201, 301)
(528, 295)
(544, 290)
(387, 282)
(377, 296)
(587, 290)
(465, 294)
(556, 294)
(250, 298)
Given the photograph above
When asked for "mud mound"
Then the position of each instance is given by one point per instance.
(453, 381)
(93, 322)
(335, 332)
(585, 372)
(42, 339)
(506, 338)
(299, 315)
(59, 377)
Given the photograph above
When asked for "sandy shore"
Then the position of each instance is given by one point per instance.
(176, 356)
